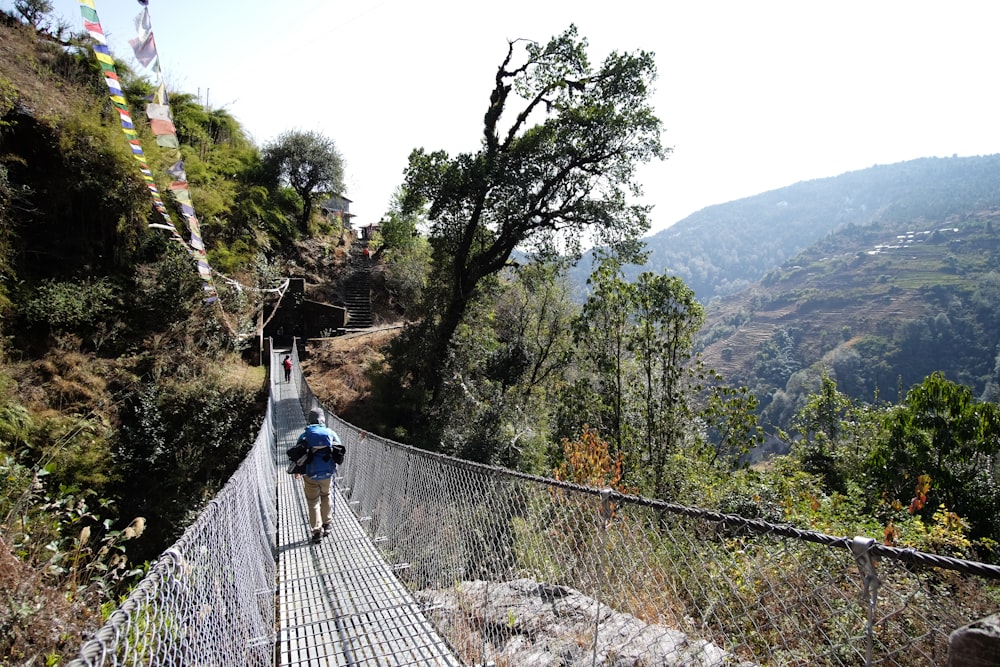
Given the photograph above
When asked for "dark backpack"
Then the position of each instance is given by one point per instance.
(302, 455)
(298, 456)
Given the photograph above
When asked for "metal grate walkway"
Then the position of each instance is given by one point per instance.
(339, 602)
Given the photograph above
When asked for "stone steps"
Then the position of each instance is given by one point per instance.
(357, 297)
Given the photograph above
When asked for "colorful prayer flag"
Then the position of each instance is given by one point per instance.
(161, 127)
(167, 141)
(142, 23)
(176, 171)
(158, 111)
(144, 49)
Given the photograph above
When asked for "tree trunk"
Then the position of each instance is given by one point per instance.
(307, 208)
(439, 351)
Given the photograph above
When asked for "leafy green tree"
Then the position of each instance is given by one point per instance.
(637, 377)
(942, 432)
(35, 12)
(309, 163)
(667, 316)
(730, 414)
(32, 10)
(536, 185)
(406, 274)
(601, 334)
(821, 418)
(398, 229)
(822, 423)
(509, 357)
(535, 320)
(406, 256)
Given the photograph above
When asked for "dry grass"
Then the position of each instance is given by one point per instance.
(237, 373)
(338, 370)
(37, 622)
(71, 379)
(34, 65)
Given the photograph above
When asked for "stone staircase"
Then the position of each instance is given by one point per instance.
(358, 289)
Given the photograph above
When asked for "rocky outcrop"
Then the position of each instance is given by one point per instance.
(525, 623)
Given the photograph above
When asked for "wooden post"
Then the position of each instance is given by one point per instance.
(976, 644)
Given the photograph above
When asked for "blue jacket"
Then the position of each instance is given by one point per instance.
(320, 440)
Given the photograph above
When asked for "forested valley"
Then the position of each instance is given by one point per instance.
(127, 397)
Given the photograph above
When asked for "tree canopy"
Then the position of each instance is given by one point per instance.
(309, 163)
(561, 142)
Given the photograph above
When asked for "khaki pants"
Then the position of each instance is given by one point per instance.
(318, 501)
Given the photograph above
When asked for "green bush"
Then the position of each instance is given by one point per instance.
(81, 307)
(177, 445)
(164, 290)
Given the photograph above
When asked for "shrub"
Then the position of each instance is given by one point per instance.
(81, 307)
(177, 445)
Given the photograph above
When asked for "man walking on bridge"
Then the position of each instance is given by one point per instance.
(325, 452)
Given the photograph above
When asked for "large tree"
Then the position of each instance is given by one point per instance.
(667, 317)
(309, 163)
(601, 335)
(33, 11)
(638, 384)
(560, 146)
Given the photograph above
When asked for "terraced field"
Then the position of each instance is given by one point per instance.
(831, 301)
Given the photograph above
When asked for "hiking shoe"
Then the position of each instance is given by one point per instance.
(317, 536)
(327, 527)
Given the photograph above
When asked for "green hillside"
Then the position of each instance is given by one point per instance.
(124, 401)
(877, 307)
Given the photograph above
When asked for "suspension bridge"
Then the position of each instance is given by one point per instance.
(437, 561)
(339, 602)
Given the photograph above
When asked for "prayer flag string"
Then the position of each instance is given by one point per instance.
(162, 127)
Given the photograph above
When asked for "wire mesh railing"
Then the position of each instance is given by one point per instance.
(209, 599)
(515, 569)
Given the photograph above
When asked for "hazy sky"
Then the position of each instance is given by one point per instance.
(753, 95)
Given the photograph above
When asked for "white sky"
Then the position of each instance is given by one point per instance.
(753, 95)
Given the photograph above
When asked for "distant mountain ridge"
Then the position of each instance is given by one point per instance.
(725, 248)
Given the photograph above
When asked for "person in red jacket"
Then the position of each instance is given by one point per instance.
(287, 364)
